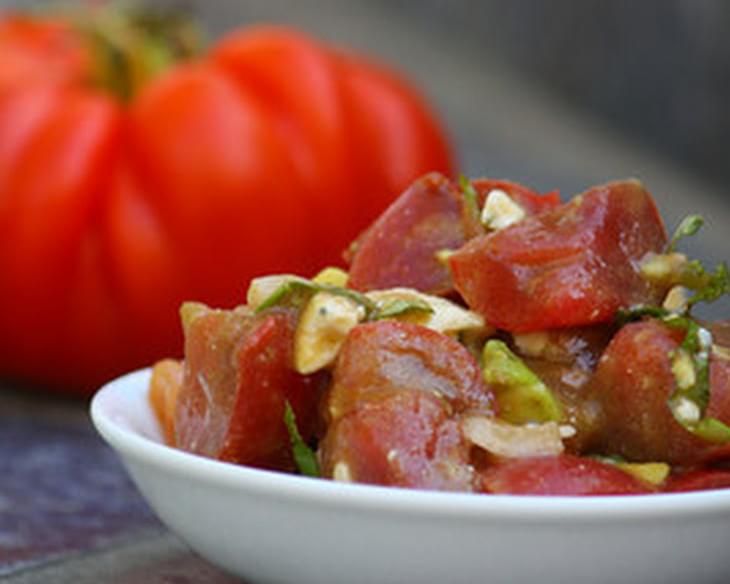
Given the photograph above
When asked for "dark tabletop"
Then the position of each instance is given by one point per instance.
(68, 512)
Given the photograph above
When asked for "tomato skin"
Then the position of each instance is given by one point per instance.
(421, 222)
(39, 51)
(564, 475)
(405, 439)
(241, 163)
(572, 266)
(165, 382)
(393, 131)
(392, 408)
(698, 480)
(238, 375)
(385, 357)
(634, 378)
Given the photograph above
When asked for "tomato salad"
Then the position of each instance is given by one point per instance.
(487, 339)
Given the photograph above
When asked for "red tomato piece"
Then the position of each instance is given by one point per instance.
(404, 439)
(565, 475)
(699, 480)
(634, 378)
(400, 248)
(386, 357)
(238, 375)
(572, 266)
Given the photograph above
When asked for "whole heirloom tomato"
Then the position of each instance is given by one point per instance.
(132, 179)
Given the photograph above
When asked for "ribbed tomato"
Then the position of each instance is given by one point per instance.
(268, 154)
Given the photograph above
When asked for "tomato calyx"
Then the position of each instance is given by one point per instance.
(131, 45)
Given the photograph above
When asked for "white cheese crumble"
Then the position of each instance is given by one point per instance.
(688, 411)
(500, 210)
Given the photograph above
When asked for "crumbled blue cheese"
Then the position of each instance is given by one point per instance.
(500, 210)
(687, 411)
(683, 369)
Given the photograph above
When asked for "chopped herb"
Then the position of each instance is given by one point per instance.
(471, 198)
(291, 292)
(522, 396)
(717, 285)
(688, 227)
(400, 307)
(304, 456)
(297, 292)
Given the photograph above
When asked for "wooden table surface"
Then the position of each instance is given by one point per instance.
(68, 512)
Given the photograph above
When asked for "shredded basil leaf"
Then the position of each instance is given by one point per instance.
(292, 292)
(707, 286)
(688, 227)
(471, 198)
(297, 292)
(712, 430)
(717, 284)
(304, 456)
(400, 307)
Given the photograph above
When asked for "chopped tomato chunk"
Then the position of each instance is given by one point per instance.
(572, 266)
(403, 439)
(635, 379)
(699, 480)
(400, 248)
(386, 357)
(165, 383)
(238, 376)
(560, 475)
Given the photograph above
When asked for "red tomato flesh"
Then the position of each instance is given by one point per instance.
(699, 480)
(385, 357)
(573, 266)
(405, 439)
(400, 248)
(395, 390)
(565, 475)
(238, 375)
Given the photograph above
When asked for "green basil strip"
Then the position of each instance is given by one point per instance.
(716, 285)
(688, 227)
(297, 292)
(712, 430)
(471, 198)
(400, 307)
(304, 456)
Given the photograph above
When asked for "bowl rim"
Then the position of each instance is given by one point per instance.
(132, 446)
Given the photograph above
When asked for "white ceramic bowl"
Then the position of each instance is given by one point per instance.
(271, 527)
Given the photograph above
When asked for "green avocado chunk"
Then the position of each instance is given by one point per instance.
(522, 397)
